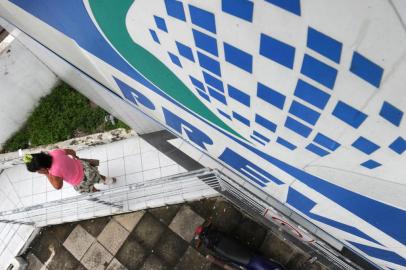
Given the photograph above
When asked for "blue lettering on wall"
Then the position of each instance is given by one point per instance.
(194, 134)
(247, 168)
(133, 95)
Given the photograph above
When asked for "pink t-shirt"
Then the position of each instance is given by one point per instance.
(69, 169)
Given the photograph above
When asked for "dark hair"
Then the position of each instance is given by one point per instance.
(39, 161)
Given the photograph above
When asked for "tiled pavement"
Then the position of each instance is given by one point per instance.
(158, 238)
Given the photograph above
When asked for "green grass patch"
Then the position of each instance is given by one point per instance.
(61, 115)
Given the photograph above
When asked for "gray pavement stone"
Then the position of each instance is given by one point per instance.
(130, 220)
(34, 263)
(275, 248)
(153, 263)
(225, 217)
(113, 236)
(44, 246)
(78, 242)
(131, 254)
(148, 231)
(96, 257)
(165, 214)
(185, 223)
(116, 265)
(95, 226)
(203, 208)
(250, 233)
(192, 260)
(170, 247)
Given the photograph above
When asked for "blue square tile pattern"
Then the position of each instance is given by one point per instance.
(297, 127)
(241, 118)
(154, 36)
(203, 18)
(238, 57)
(317, 150)
(311, 94)
(160, 23)
(277, 51)
(324, 45)
(213, 81)
(205, 42)
(326, 142)
(224, 114)
(185, 51)
(242, 9)
(215, 94)
(285, 143)
(398, 145)
(366, 69)
(239, 95)
(292, 6)
(371, 164)
(349, 115)
(196, 82)
(391, 113)
(259, 135)
(319, 71)
(175, 59)
(265, 123)
(304, 113)
(365, 145)
(271, 96)
(174, 8)
(209, 63)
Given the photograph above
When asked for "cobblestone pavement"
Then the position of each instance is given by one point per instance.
(158, 238)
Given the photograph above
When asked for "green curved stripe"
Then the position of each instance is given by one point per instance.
(110, 16)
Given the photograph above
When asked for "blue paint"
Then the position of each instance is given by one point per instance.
(317, 150)
(271, 96)
(215, 94)
(238, 57)
(292, 6)
(305, 205)
(366, 69)
(311, 94)
(174, 8)
(285, 143)
(304, 113)
(277, 51)
(226, 115)
(326, 142)
(133, 95)
(185, 51)
(174, 59)
(259, 135)
(365, 145)
(253, 172)
(297, 127)
(257, 140)
(379, 253)
(239, 95)
(203, 95)
(348, 114)
(398, 145)
(203, 18)
(160, 23)
(265, 123)
(209, 63)
(241, 118)
(205, 42)
(391, 113)
(318, 71)
(371, 164)
(242, 9)
(324, 45)
(183, 127)
(213, 81)
(197, 83)
(154, 36)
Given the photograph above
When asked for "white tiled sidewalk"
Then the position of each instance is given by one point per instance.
(131, 161)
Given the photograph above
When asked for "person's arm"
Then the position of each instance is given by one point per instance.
(71, 152)
(55, 181)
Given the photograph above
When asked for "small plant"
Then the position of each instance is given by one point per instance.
(59, 116)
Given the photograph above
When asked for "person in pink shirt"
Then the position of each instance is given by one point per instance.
(61, 165)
